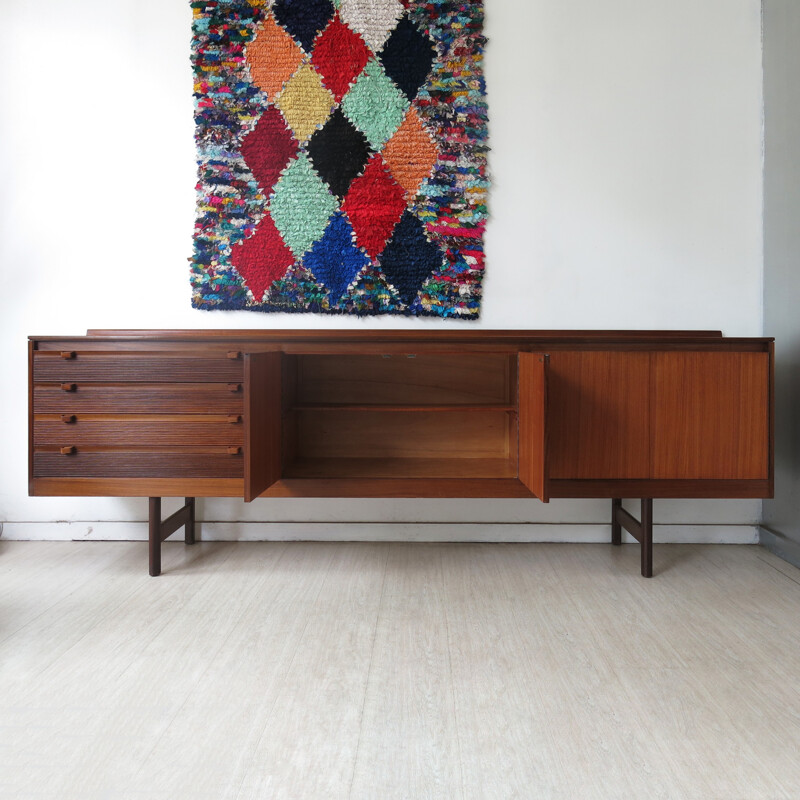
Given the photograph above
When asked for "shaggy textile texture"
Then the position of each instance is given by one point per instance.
(341, 156)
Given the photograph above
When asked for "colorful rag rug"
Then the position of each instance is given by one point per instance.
(341, 147)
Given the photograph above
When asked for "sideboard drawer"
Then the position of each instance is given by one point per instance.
(82, 430)
(139, 398)
(134, 367)
(217, 463)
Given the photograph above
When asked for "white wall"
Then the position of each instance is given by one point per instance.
(627, 194)
(781, 530)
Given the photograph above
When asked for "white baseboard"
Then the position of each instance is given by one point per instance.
(379, 532)
(780, 545)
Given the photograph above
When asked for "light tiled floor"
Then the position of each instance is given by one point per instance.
(378, 671)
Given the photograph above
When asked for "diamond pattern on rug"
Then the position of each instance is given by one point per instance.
(409, 258)
(375, 105)
(373, 19)
(338, 152)
(410, 154)
(301, 205)
(370, 294)
(374, 204)
(273, 57)
(408, 57)
(339, 56)
(262, 258)
(334, 259)
(303, 19)
(350, 135)
(305, 102)
(297, 290)
(268, 148)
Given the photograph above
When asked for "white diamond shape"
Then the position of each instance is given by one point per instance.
(373, 19)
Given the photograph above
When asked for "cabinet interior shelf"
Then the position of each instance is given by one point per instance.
(401, 407)
(430, 468)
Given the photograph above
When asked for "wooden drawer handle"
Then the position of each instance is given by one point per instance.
(235, 387)
(67, 354)
(69, 387)
(234, 418)
(234, 354)
(68, 418)
(234, 451)
(67, 451)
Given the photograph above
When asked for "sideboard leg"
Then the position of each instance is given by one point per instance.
(154, 537)
(647, 537)
(188, 536)
(616, 528)
(158, 530)
(641, 530)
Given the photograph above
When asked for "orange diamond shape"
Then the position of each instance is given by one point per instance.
(273, 57)
(410, 154)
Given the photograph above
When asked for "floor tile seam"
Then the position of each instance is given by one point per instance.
(87, 580)
(378, 615)
(269, 711)
(188, 693)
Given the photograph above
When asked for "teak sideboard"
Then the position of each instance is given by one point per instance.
(296, 413)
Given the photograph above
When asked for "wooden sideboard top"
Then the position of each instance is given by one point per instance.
(352, 340)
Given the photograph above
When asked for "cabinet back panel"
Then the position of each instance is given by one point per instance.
(398, 434)
(479, 378)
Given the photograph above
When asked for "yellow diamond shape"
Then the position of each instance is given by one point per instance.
(305, 102)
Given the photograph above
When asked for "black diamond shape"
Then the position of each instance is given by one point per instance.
(339, 152)
(409, 258)
(303, 19)
(407, 57)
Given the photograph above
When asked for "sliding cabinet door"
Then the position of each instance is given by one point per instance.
(600, 415)
(262, 416)
(712, 416)
(533, 423)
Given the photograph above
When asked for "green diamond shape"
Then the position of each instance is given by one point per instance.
(301, 206)
(375, 105)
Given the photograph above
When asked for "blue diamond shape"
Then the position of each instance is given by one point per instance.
(334, 259)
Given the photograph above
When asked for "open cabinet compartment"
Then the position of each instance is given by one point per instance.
(423, 416)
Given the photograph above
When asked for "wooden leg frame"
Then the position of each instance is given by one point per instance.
(641, 530)
(161, 530)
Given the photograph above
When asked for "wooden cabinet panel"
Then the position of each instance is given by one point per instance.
(711, 415)
(262, 415)
(132, 367)
(476, 379)
(599, 415)
(534, 425)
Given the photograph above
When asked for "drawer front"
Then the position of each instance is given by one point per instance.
(141, 398)
(104, 431)
(126, 464)
(134, 367)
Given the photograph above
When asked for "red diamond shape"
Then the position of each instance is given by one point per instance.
(262, 259)
(268, 148)
(339, 56)
(374, 205)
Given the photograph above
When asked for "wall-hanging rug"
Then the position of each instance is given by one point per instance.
(341, 147)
